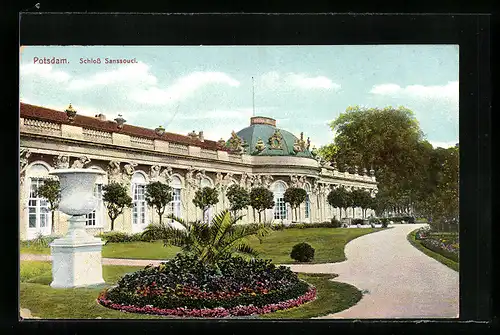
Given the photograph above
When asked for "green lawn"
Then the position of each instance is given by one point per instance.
(331, 297)
(328, 243)
(440, 258)
(48, 303)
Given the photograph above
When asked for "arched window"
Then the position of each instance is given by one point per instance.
(139, 202)
(307, 213)
(280, 206)
(96, 218)
(39, 219)
(175, 204)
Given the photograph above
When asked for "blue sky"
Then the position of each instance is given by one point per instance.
(209, 88)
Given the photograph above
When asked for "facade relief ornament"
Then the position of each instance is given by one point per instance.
(24, 154)
(365, 172)
(267, 180)
(219, 180)
(130, 168)
(191, 181)
(243, 180)
(275, 141)
(61, 162)
(257, 181)
(250, 181)
(227, 178)
(80, 162)
(166, 174)
(154, 172)
(114, 171)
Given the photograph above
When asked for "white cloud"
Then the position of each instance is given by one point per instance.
(44, 71)
(131, 75)
(238, 113)
(274, 80)
(447, 92)
(437, 144)
(182, 87)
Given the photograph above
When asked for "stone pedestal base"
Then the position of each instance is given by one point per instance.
(76, 258)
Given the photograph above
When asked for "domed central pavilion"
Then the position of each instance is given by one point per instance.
(263, 138)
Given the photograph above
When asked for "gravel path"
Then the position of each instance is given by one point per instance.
(398, 281)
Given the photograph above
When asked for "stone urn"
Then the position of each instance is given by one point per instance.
(76, 257)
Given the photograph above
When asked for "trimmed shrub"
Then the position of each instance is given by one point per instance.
(357, 221)
(374, 221)
(302, 252)
(335, 223)
(119, 237)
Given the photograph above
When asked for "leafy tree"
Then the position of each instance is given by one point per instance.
(295, 196)
(340, 198)
(388, 139)
(116, 198)
(238, 198)
(210, 243)
(158, 195)
(261, 199)
(361, 198)
(204, 198)
(50, 190)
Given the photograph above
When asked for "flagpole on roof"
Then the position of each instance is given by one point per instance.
(253, 98)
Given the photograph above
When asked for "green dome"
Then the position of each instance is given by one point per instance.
(262, 133)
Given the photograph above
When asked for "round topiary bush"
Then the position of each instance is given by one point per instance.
(302, 252)
(184, 286)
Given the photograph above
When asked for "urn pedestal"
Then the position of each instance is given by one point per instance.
(77, 257)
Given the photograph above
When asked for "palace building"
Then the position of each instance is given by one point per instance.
(258, 155)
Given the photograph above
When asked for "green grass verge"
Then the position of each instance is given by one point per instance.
(80, 303)
(331, 297)
(440, 258)
(329, 244)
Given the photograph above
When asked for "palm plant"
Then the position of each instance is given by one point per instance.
(209, 242)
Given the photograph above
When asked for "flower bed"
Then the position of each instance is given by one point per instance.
(447, 245)
(217, 312)
(184, 286)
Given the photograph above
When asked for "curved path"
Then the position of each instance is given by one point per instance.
(398, 281)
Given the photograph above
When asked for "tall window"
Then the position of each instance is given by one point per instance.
(139, 201)
(280, 207)
(175, 204)
(39, 219)
(94, 219)
(38, 207)
(308, 202)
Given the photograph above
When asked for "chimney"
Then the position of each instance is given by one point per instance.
(200, 136)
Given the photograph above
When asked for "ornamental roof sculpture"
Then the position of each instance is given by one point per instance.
(275, 140)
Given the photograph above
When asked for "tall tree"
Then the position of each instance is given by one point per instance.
(50, 189)
(158, 195)
(362, 199)
(295, 196)
(340, 198)
(261, 199)
(204, 198)
(238, 197)
(388, 140)
(115, 198)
